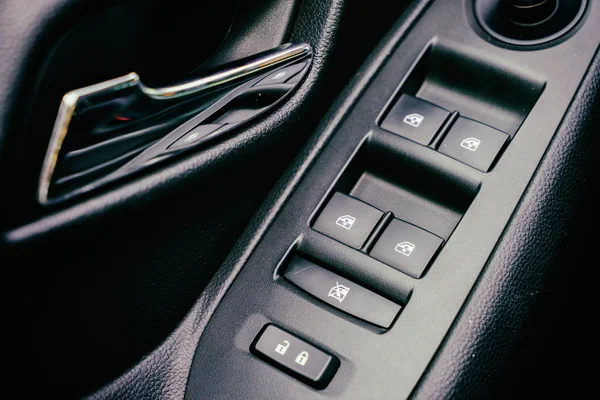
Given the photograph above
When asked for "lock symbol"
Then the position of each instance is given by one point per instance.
(282, 348)
(302, 358)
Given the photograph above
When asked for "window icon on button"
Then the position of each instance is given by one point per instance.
(405, 248)
(470, 143)
(345, 221)
(414, 120)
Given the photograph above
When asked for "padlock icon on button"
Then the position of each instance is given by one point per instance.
(282, 348)
(302, 358)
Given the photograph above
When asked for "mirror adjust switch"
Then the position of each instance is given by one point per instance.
(415, 119)
(294, 356)
(347, 220)
(473, 143)
(341, 293)
(406, 247)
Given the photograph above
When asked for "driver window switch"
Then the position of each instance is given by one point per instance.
(348, 220)
(415, 119)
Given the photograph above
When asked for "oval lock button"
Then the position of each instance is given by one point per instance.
(295, 356)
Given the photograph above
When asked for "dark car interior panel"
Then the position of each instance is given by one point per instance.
(332, 199)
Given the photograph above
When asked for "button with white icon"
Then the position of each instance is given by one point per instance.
(406, 247)
(341, 293)
(347, 220)
(473, 143)
(295, 356)
(415, 119)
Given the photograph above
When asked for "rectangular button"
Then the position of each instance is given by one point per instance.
(342, 293)
(406, 247)
(473, 143)
(415, 119)
(296, 357)
(347, 220)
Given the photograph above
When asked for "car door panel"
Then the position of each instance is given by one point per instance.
(157, 285)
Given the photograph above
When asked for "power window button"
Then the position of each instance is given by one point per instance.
(406, 247)
(347, 220)
(415, 119)
(473, 143)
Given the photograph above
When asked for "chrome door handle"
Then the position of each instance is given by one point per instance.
(104, 120)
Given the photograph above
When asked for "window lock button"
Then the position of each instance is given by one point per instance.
(342, 293)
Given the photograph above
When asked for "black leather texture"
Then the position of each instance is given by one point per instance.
(20, 40)
(522, 333)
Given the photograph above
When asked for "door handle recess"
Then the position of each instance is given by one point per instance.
(112, 129)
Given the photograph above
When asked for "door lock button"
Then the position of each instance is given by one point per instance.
(473, 143)
(406, 247)
(415, 119)
(295, 356)
(347, 220)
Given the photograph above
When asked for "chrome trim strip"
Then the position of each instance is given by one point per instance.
(229, 75)
(69, 102)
